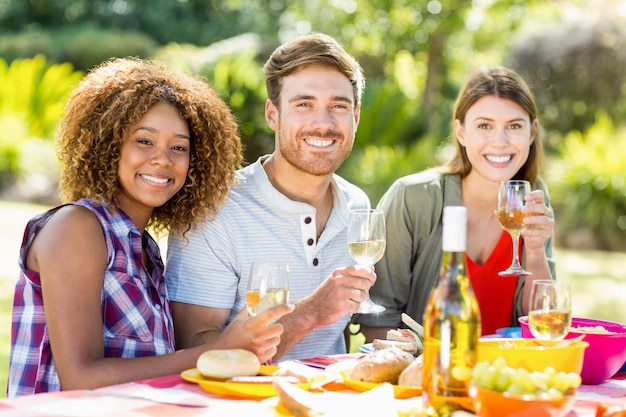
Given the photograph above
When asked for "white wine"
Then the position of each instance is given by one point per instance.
(272, 297)
(452, 324)
(549, 325)
(512, 220)
(367, 252)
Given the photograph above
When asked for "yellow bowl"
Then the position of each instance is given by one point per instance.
(490, 403)
(534, 355)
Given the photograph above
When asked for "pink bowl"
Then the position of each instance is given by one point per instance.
(606, 352)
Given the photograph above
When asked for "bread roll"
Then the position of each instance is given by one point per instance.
(412, 374)
(228, 363)
(383, 365)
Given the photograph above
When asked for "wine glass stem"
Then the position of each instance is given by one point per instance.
(516, 262)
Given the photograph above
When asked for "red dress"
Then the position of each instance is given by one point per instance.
(495, 294)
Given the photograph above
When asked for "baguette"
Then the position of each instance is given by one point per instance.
(383, 365)
(411, 376)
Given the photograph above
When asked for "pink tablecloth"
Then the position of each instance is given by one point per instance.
(105, 402)
(113, 402)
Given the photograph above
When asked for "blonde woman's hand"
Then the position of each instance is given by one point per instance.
(539, 222)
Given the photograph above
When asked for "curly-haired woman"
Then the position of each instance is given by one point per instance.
(140, 147)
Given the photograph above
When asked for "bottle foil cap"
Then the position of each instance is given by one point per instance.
(454, 229)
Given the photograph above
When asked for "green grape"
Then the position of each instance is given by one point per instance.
(549, 370)
(574, 379)
(503, 379)
(515, 389)
(561, 381)
(499, 362)
(523, 379)
(478, 370)
(461, 373)
(541, 380)
(553, 393)
(487, 377)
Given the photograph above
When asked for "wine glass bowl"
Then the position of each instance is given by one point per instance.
(550, 309)
(511, 217)
(268, 286)
(366, 244)
(367, 252)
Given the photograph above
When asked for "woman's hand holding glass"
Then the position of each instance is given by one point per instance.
(539, 221)
(268, 286)
(259, 334)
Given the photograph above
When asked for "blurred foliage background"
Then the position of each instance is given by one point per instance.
(415, 55)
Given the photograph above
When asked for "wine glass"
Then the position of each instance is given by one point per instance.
(366, 243)
(550, 312)
(268, 286)
(510, 202)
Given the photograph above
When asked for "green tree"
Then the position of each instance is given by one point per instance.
(32, 99)
(588, 185)
(441, 42)
(201, 22)
(577, 69)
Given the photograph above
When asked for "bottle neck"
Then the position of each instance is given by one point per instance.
(454, 267)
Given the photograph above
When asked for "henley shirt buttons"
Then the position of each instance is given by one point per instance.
(315, 262)
(310, 242)
(307, 220)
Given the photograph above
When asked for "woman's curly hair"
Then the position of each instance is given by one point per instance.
(115, 96)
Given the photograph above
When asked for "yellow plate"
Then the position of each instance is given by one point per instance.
(236, 389)
(399, 391)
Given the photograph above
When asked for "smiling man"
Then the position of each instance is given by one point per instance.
(288, 207)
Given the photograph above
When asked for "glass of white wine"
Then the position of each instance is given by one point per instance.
(550, 312)
(366, 243)
(510, 202)
(268, 286)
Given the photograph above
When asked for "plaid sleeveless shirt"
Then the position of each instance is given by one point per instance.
(136, 314)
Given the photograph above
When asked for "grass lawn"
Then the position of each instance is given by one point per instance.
(598, 283)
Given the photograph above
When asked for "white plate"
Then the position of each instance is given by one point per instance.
(367, 348)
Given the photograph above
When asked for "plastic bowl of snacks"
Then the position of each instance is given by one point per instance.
(606, 353)
(534, 355)
(498, 389)
(489, 403)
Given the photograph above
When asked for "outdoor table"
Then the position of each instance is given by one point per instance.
(117, 400)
